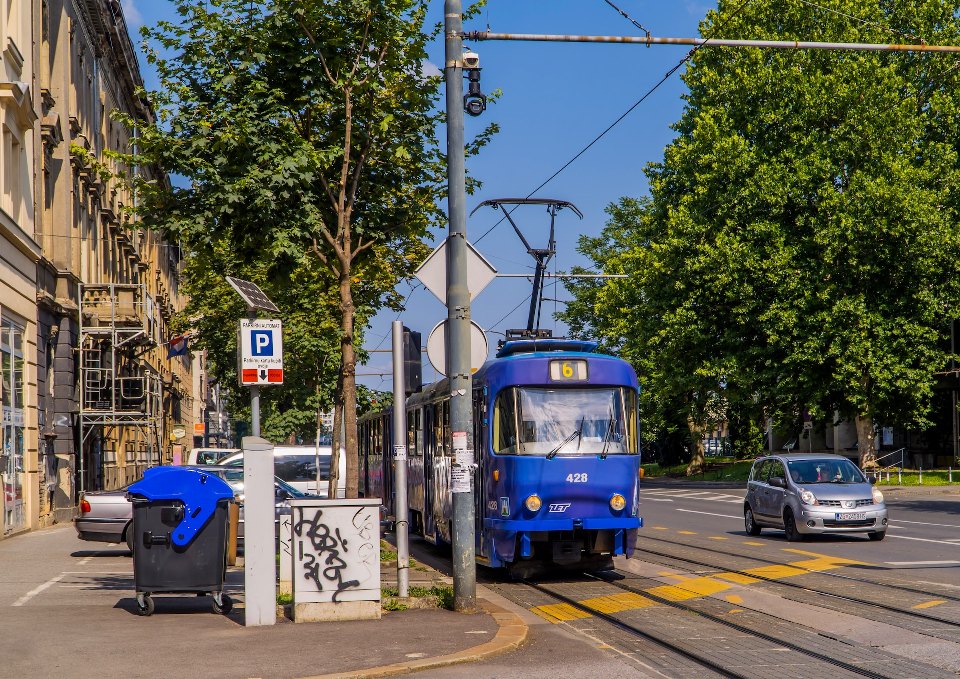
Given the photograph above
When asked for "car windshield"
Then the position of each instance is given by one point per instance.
(235, 478)
(824, 471)
(564, 421)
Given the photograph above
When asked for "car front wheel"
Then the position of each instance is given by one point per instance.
(749, 523)
(790, 527)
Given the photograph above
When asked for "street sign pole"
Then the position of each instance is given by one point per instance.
(458, 317)
(400, 509)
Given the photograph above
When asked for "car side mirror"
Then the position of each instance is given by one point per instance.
(873, 480)
(777, 481)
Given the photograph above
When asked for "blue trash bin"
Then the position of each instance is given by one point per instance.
(180, 527)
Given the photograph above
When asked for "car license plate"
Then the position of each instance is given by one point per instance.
(850, 516)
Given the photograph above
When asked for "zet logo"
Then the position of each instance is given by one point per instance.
(559, 507)
(504, 506)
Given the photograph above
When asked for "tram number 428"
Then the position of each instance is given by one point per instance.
(577, 478)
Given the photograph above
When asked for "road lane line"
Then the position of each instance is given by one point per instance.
(643, 498)
(939, 542)
(36, 590)
(922, 563)
(693, 511)
(924, 523)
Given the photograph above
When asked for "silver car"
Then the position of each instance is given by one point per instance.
(107, 515)
(805, 493)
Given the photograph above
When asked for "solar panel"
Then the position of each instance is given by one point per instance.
(252, 294)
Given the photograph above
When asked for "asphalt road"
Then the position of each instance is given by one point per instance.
(922, 544)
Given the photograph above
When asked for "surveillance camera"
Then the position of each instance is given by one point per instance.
(471, 60)
(474, 104)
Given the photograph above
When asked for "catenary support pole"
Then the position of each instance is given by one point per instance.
(400, 460)
(458, 322)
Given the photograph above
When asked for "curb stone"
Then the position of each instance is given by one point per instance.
(511, 634)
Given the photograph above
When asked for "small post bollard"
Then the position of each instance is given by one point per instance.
(920, 478)
(949, 474)
(900, 476)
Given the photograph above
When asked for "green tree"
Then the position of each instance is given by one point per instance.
(798, 245)
(304, 131)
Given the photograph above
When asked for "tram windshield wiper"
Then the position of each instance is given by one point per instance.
(606, 437)
(575, 434)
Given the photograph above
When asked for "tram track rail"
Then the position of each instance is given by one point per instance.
(665, 644)
(806, 588)
(698, 658)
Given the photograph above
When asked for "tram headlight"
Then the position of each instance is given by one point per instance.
(877, 497)
(533, 503)
(808, 498)
(617, 502)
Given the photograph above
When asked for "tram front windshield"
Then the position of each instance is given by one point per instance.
(565, 421)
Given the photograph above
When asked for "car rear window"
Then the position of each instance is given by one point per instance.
(293, 468)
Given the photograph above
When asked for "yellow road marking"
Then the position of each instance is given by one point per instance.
(737, 578)
(736, 610)
(686, 532)
(718, 537)
(559, 612)
(930, 604)
(660, 528)
(755, 544)
(616, 603)
(690, 587)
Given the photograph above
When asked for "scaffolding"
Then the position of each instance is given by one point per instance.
(121, 398)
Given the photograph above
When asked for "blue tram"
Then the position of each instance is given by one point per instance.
(556, 446)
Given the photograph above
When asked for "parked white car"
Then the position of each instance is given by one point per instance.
(297, 465)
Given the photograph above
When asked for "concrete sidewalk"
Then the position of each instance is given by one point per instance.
(67, 608)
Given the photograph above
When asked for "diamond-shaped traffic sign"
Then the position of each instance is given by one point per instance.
(433, 272)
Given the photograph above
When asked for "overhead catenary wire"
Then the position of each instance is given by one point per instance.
(630, 110)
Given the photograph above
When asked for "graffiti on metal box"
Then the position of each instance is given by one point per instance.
(335, 551)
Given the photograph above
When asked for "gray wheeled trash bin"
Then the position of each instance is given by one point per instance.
(180, 528)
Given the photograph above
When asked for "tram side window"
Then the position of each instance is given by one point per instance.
(418, 432)
(504, 422)
(445, 406)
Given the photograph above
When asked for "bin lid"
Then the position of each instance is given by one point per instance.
(196, 489)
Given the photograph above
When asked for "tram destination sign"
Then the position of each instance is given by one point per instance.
(261, 352)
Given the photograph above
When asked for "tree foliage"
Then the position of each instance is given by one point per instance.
(798, 248)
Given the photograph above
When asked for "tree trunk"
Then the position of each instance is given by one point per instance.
(696, 438)
(348, 375)
(865, 442)
(335, 447)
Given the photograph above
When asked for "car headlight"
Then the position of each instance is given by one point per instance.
(617, 502)
(808, 498)
(533, 503)
(877, 497)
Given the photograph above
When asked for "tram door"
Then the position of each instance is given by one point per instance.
(429, 449)
(479, 474)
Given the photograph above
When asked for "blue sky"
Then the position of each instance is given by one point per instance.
(556, 98)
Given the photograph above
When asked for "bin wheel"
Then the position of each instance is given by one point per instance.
(145, 605)
(224, 605)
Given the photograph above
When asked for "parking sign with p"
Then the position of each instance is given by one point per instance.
(261, 352)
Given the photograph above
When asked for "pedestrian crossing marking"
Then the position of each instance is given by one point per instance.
(930, 604)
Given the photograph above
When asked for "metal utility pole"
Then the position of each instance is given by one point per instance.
(400, 509)
(458, 322)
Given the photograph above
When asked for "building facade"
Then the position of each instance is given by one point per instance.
(91, 392)
(19, 254)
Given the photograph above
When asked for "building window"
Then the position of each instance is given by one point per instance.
(12, 446)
